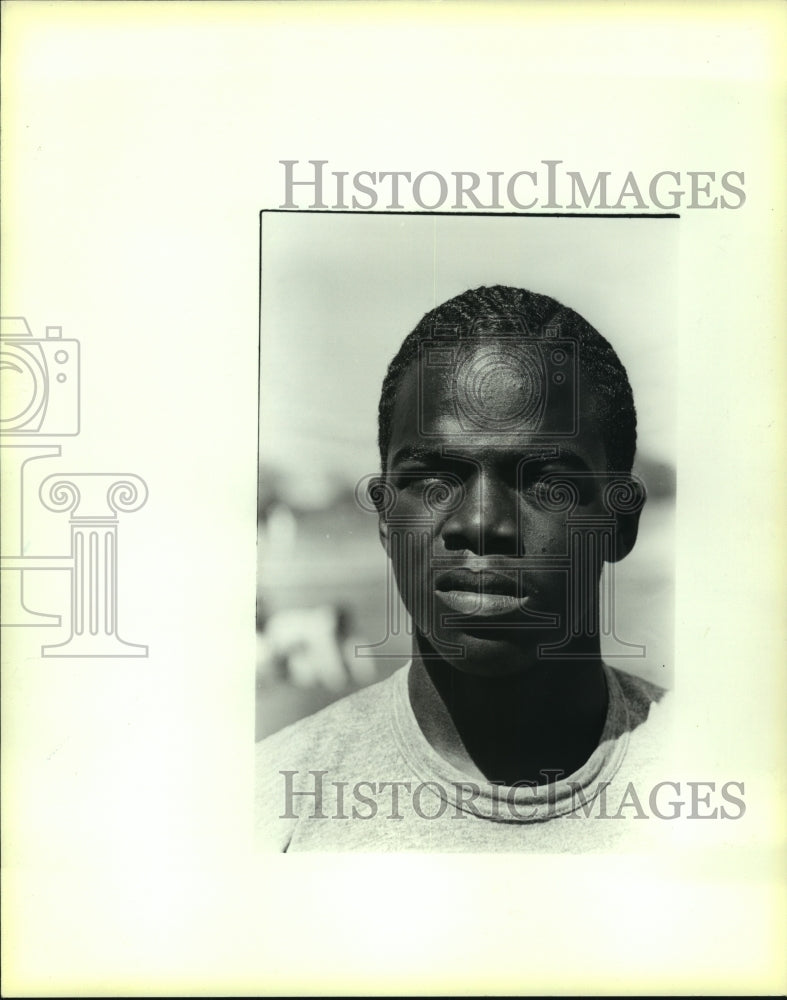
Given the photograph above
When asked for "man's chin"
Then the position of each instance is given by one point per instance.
(489, 652)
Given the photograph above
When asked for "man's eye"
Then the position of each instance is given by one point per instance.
(421, 478)
(541, 488)
(415, 475)
(438, 489)
(541, 485)
(556, 488)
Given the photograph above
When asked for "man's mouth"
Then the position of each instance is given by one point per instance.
(482, 593)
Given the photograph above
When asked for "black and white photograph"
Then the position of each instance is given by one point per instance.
(391, 439)
(465, 530)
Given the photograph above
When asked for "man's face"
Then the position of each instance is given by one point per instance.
(476, 532)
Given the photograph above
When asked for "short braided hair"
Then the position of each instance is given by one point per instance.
(604, 372)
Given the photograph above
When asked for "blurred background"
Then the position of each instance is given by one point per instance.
(338, 295)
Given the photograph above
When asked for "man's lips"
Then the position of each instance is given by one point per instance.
(482, 593)
(481, 581)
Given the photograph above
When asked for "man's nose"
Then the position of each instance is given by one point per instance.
(486, 521)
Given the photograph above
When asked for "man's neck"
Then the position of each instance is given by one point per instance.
(530, 727)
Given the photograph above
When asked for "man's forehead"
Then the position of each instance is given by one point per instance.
(519, 449)
(493, 393)
(491, 384)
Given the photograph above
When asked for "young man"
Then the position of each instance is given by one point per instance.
(507, 433)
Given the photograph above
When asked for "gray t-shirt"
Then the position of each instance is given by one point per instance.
(360, 775)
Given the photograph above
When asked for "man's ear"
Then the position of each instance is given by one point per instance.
(626, 503)
(626, 529)
(380, 493)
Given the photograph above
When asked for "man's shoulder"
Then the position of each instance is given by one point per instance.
(350, 719)
(637, 688)
(340, 740)
(639, 694)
